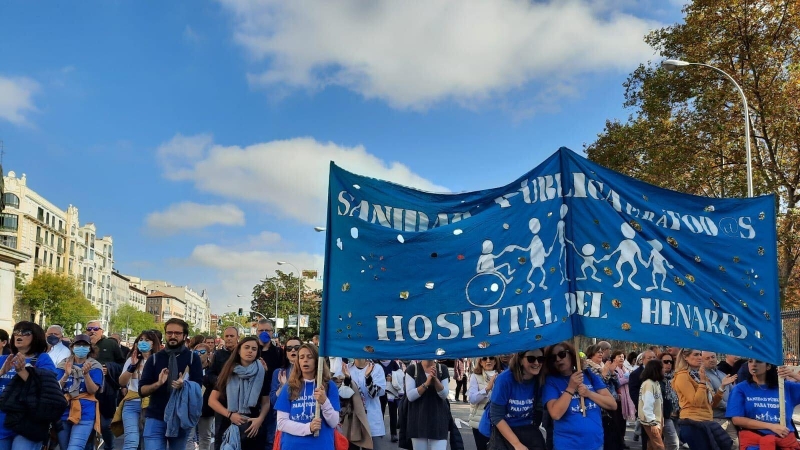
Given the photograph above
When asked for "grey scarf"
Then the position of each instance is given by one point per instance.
(244, 387)
(174, 373)
(77, 374)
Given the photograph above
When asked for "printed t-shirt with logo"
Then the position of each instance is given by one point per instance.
(761, 403)
(87, 406)
(302, 410)
(518, 398)
(573, 431)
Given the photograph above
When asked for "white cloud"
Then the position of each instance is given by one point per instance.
(16, 99)
(288, 176)
(415, 54)
(239, 270)
(193, 216)
(264, 239)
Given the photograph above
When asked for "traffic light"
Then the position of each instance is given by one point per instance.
(241, 312)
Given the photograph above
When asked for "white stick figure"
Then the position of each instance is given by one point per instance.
(562, 240)
(587, 253)
(537, 254)
(659, 262)
(628, 249)
(486, 262)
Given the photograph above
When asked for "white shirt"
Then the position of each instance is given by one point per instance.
(58, 353)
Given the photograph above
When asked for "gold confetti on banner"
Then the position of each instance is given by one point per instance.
(483, 344)
(538, 337)
(350, 315)
(616, 303)
(349, 327)
(761, 292)
(722, 269)
(736, 259)
(690, 277)
(404, 295)
(369, 349)
(697, 258)
(345, 287)
(671, 241)
(744, 303)
(709, 208)
(339, 330)
(606, 245)
(522, 260)
(697, 333)
(358, 323)
(760, 251)
(715, 303)
(679, 281)
(552, 270)
(608, 271)
(518, 291)
(596, 222)
(766, 315)
(645, 198)
(636, 225)
(626, 326)
(564, 319)
(761, 215)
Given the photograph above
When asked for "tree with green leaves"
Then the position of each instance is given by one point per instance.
(686, 130)
(58, 298)
(283, 288)
(128, 317)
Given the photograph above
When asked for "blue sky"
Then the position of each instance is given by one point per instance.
(198, 134)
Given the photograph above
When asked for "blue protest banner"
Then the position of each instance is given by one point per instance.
(570, 248)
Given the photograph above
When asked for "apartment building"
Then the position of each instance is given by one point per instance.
(197, 307)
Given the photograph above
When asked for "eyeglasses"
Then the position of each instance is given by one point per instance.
(560, 355)
(173, 333)
(93, 328)
(666, 361)
(537, 359)
(200, 352)
(23, 333)
(292, 348)
(487, 359)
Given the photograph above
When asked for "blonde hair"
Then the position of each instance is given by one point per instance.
(681, 363)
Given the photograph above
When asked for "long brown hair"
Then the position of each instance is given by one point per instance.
(233, 361)
(515, 365)
(296, 379)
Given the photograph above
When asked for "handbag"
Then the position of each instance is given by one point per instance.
(528, 435)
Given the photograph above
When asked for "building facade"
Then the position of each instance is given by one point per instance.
(164, 306)
(197, 307)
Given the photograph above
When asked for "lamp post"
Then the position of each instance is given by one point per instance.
(299, 287)
(675, 64)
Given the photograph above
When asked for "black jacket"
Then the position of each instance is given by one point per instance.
(32, 405)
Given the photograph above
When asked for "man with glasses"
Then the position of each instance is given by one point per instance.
(163, 373)
(58, 351)
(719, 381)
(110, 356)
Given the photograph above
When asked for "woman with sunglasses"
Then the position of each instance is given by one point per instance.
(28, 343)
(753, 407)
(564, 386)
(241, 398)
(427, 389)
(280, 376)
(81, 377)
(696, 399)
(144, 346)
(512, 410)
(481, 384)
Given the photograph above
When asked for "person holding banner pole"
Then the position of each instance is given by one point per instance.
(697, 426)
(564, 387)
(513, 404)
(296, 405)
(753, 407)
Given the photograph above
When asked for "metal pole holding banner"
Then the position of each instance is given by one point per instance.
(578, 365)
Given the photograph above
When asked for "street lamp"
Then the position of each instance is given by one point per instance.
(299, 287)
(319, 229)
(676, 64)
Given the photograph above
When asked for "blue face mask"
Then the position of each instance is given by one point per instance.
(81, 352)
(144, 346)
(53, 340)
(264, 337)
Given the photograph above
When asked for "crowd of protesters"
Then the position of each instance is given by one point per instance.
(171, 390)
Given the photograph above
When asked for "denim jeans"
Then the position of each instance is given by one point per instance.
(205, 432)
(155, 436)
(19, 443)
(105, 432)
(75, 437)
(131, 413)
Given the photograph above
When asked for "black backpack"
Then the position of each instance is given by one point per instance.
(32, 405)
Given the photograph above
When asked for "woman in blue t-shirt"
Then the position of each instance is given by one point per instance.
(80, 377)
(28, 347)
(753, 406)
(571, 430)
(297, 402)
(514, 397)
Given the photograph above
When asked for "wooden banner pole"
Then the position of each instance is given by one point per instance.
(578, 365)
(320, 365)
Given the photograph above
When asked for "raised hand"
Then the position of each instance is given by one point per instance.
(163, 376)
(370, 368)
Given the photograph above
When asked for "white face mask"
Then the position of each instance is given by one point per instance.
(490, 373)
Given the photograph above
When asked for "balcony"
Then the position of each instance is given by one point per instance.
(62, 230)
(39, 262)
(61, 249)
(60, 268)
(39, 240)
